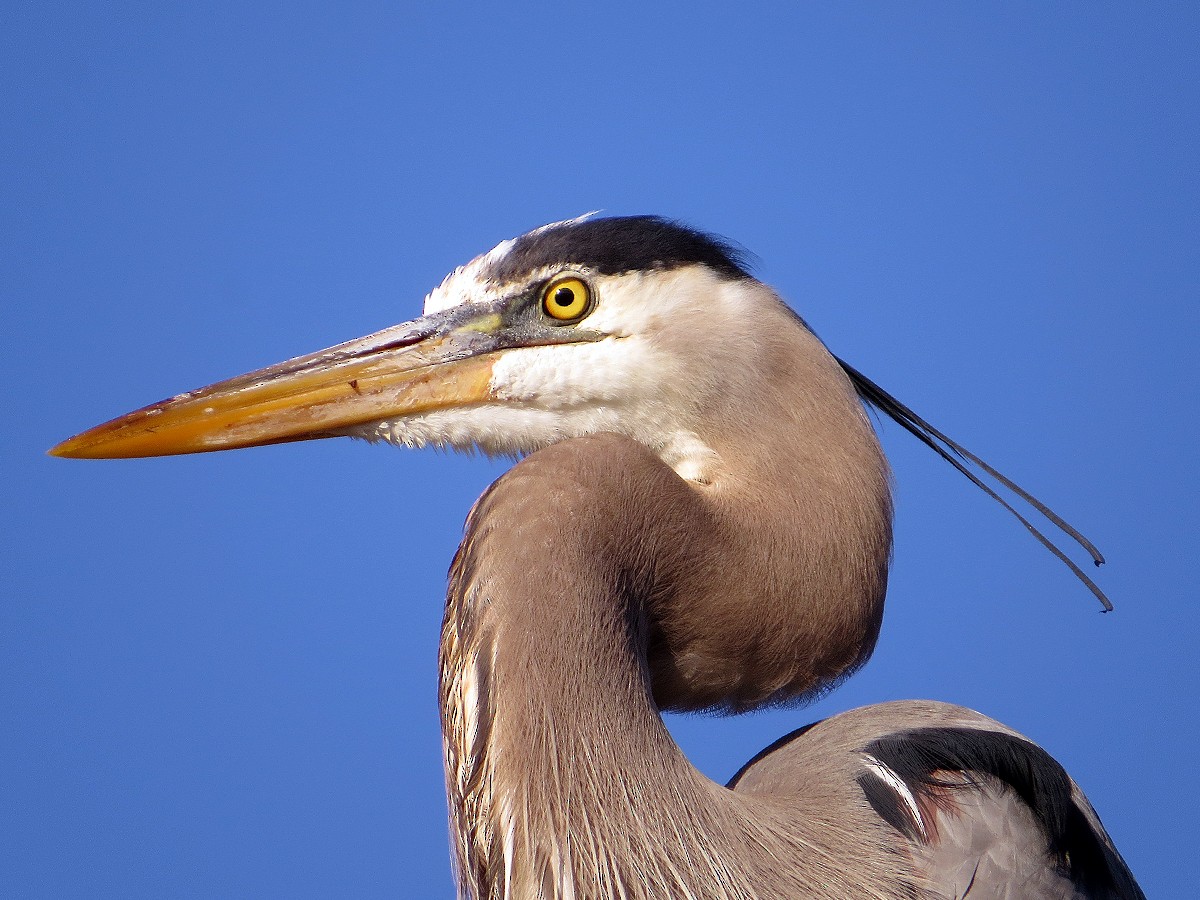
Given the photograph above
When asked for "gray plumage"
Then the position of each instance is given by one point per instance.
(563, 780)
(702, 521)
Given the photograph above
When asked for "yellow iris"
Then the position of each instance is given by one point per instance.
(566, 299)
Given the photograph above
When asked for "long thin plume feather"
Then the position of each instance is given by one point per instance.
(961, 458)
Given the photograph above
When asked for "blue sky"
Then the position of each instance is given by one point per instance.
(218, 673)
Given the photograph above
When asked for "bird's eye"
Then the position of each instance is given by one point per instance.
(567, 299)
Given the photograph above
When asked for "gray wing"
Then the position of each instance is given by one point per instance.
(968, 806)
(992, 816)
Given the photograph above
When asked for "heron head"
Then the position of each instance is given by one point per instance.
(623, 325)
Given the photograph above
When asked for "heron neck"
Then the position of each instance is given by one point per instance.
(786, 596)
(562, 779)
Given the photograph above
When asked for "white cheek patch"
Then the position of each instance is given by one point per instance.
(612, 385)
(565, 375)
(648, 380)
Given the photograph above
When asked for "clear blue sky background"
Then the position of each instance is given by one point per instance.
(217, 673)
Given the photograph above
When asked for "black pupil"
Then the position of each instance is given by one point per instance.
(564, 296)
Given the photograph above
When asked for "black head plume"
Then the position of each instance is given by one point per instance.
(963, 460)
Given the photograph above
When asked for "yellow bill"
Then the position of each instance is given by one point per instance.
(435, 362)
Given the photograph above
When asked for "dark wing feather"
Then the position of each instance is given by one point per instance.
(996, 816)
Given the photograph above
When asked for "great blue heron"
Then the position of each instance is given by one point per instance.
(701, 520)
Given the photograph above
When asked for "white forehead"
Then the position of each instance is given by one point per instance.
(468, 284)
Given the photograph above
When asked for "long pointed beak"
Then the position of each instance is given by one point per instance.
(435, 362)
